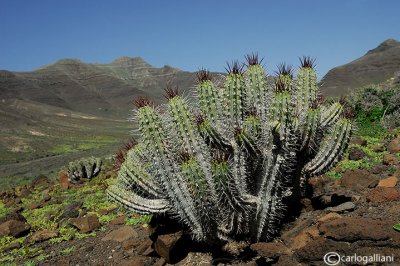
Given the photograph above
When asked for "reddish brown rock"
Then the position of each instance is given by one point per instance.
(356, 154)
(358, 179)
(390, 159)
(121, 234)
(378, 148)
(136, 261)
(42, 235)
(270, 249)
(351, 229)
(119, 220)
(145, 247)
(63, 178)
(304, 237)
(397, 173)
(388, 182)
(13, 216)
(41, 181)
(86, 224)
(165, 244)
(315, 249)
(329, 216)
(131, 244)
(11, 246)
(33, 206)
(383, 194)
(394, 146)
(358, 141)
(14, 228)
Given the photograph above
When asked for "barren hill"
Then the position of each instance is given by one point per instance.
(376, 66)
(98, 89)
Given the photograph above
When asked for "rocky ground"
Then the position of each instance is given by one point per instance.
(350, 210)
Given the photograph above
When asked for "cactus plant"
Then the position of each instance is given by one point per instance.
(83, 168)
(228, 165)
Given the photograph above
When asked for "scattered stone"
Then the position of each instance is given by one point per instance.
(71, 210)
(358, 179)
(22, 191)
(358, 141)
(270, 249)
(390, 159)
(14, 228)
(131, 244)
(165, 244)
(41, 181)
(351, 229)
(145, 247)
(160, 262)
(394, 146)
(11, 246)
(121, 234)
(378, 148)
(347, 206)
(86, 224)
(13, 216)
(33, 206)
(42, 235)
(356, 154)
(119, 220)
(388, 182)
(304, 237)
(379, 169)
(329, 216)
(383, 194)
(397, 173)
(235, 247)
(196, 259)
(103, 212)
(46, 197)
(135, 261)
(64, 181)
(315, 249)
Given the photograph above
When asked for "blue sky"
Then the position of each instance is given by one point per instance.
(193, 34)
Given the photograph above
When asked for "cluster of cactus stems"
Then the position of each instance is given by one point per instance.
(83, 168)
(228, 165)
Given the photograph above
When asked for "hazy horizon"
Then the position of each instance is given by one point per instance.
(195, 34)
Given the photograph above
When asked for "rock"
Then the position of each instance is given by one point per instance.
(356, 154)
(42, 235)
(23, 191)
(71, 210)
(304, 237)
(378, 148)
(119, 220)
(390, 159)
(11, 246)
(359, 141)
(269, 249)
(14, 228)
(383, 194)
(351, 229)
(388, 182)
(329, 216)
(235, 248)
(397, 173)
(131, 244)
(160, 262)
(347, 206)
(135, 261)
(13, 216)
(41, 181)
(166, 243)
(394, 146)
(103, 212)
(33, 206)
(196, 259)
(46, 197)
(121, 234)
(379, 169)
(86, 224)
(145, 247)
(358, 179)
(63, 179)
(315, 249)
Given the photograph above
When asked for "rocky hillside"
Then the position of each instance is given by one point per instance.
(98, 89)
(59, 223)
(376, 66)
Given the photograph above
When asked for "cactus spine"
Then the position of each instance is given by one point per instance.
(229, 166)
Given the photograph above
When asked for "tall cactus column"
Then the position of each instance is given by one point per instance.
(228, 166)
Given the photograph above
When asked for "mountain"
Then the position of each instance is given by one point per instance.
(376, 66)
(97, 89)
